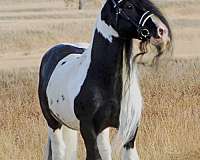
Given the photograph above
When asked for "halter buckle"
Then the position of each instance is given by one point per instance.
(143, 33)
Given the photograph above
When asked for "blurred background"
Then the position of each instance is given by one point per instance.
(29, 27)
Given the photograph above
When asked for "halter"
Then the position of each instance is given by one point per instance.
(143, 32)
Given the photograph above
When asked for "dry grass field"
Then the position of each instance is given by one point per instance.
(169, 129)
(170, 126)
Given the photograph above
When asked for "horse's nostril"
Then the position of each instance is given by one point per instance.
(160, 32)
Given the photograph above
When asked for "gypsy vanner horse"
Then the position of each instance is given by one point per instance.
(91, 88)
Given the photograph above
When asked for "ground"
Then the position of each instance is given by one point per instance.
(170, 124)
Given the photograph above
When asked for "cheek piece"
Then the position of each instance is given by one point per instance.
(143, 32)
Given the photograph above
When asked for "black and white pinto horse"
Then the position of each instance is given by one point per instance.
(91, 88)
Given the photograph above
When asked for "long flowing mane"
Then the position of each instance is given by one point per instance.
(128, 124)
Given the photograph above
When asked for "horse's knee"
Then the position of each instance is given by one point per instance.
(103, 143)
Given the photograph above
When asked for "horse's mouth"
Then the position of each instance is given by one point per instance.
(161, 38)
(156, 41)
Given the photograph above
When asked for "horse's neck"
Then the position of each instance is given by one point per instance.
(108, 66)
(106, 52)
(106, 56)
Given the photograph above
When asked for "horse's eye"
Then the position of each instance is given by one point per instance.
(130, 7)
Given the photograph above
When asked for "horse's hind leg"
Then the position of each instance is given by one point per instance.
(71, 139)
(57, 144)
(103, 143)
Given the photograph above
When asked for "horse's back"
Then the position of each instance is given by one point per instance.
(56, 54)
(60, 57)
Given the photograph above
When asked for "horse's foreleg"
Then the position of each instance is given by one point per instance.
(129, 151)
(57, 144)
(103, 142)
(90, 138)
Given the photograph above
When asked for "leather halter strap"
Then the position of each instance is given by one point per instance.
(143, 32)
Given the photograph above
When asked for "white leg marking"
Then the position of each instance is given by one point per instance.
(57, 144)
(130, 154)
(71, 138)
(103, 143)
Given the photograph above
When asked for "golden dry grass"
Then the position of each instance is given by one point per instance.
(170, 124)
(20, 120)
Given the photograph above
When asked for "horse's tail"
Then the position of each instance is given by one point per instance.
(48, 150)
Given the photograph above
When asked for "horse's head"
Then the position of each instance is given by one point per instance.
(138, 19)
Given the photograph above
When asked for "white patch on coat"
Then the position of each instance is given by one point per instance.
(103, 143)
(66, 80)
(107, 31)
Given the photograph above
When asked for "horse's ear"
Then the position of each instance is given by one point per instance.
(104, 1)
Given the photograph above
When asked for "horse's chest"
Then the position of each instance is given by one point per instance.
(64, 85)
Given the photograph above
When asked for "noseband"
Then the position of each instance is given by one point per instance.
(143, 32)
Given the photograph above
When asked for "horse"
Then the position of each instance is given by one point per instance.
(90, 88)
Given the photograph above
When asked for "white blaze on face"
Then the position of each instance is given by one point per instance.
(162, 31)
